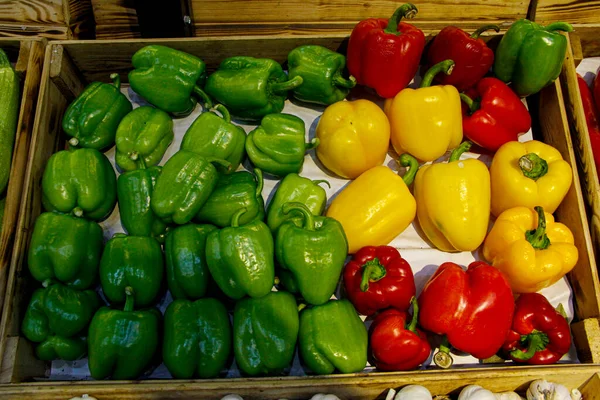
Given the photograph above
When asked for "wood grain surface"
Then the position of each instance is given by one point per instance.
(572, 11)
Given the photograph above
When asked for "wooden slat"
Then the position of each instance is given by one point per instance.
(116, 19)
(46, 31)
(586, 336)
(591, 389)
(34, 12)
(589, 36)
(65, 75)
(572, 11)
(79, 17)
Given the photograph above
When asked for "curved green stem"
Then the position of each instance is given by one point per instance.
(445, 66)
(537, 342)
(406, 160)
(116, 78)
(129, 299)
(224, 112)
(340, 81)
(560, 26)
(224, 163)
(484, 28)
(312, 144)
(235, 219)
(457, 152)
(442, 358)
(201, 94)
(407, 10)
(318, 181)
(533, 166)
(309, 221)
(373, 271)
(537, 237)
(412, 326)
(472, 104)
(259, 181)
(279, 87)
(141, 163)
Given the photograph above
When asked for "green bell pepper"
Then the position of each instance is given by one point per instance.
(188, 276)
(143, 135)
(169, 79)
(313, 252)
(332, 336)
(250, 87)
(213, 136)
(277, 145)
(530, 56)
(134, 190)
(135, 261)
(265, 333)
(122, 344)
(197, 339)
(295, 188)
(65, 248)
(56, 318)
(185, 184)
(81, 182)
(9, 116)
(321, 71)
(232, 193)
(241, 258)
(91, 120)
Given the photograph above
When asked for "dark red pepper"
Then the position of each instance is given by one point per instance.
(473, 308)
(493, 114)
(378, 278)
(471, 55)
(396, 343)
(385, 55)
(539, 334)
(592, 117)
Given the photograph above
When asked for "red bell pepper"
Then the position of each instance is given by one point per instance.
(473, 308)
(396, 343)
(596, 89)
(539, 334)
(592, 118)
(493, 114)
(377, 278)
(471, 55)
(385, 55)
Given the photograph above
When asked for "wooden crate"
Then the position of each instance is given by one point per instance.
(116, 19)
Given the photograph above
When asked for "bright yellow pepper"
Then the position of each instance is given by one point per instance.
(354, 137)
(529, 174)
(453, 202)
(426, 122)
(377, 206)
(530, 248)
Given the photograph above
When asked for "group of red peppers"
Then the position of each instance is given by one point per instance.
(591, 108)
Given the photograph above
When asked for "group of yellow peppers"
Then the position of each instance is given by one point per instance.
(452, 200)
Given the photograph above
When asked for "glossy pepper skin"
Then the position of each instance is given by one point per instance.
(473, 308)
(493, 114)
(295, 188)
(233, 192)
(322, 74)
(188, 276)
(144, 134)
(66, 249)
(471, 55)
(123, 343)
(186, 182)
(333, 337)
(277, 145)
(265, 333)
(197, 338)
(377, 206)
(530, 56)
(169, 79)
(250, 87)
(9, 112)
(592, 117)
(81, 182)
(396, 342)
(91, 120)
(426, 122)
(530, 249)
(376, 278)
(529, 174)
(57, 318)
(227, 253)
(384, 55)
(214, 136)
(134, 191)
(356, 127)
(134, 261)
(312, 251)
(539, 334)
(453, 202)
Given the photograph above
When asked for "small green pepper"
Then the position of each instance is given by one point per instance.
(9, 116)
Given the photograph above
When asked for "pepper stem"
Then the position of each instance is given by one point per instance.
(446, 67)
(442, 358)
(407, 10)
(224, 163)
(533, 166)
(235, 219)
(201, 94)
(373, 271)
(78, 212)
(141, 163)
(484, 28)
(415, 316)
(312, 144)
(340, 81)
(318, 181)
(537, 237)
(559, 26)
(129, 299)
(537, 342)
(280, 87)
(309, 221)
(224, 112)
(472, 104)
(457, 152)
(406, 160)
(259, 181)
(116, 78)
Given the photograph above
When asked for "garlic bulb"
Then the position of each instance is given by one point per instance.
(544, 390)
(84, 397)
(475, 392)
(321, 396)
(413, 392)
(232, 397)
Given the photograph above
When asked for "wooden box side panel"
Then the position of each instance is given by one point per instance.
(116, 19)
(572, 11)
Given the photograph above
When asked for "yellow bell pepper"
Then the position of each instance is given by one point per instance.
(377, 206)
(426, 122)
(529, 174)
(530, 248)
(354, 137)
(453, 202)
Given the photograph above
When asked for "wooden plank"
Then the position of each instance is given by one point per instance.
(35, 12)
(79, 17)
(591, 389)
(586, 336)
(116, 19)
(46, 31)
(589, 35)
(573, 11)
(65, 75)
